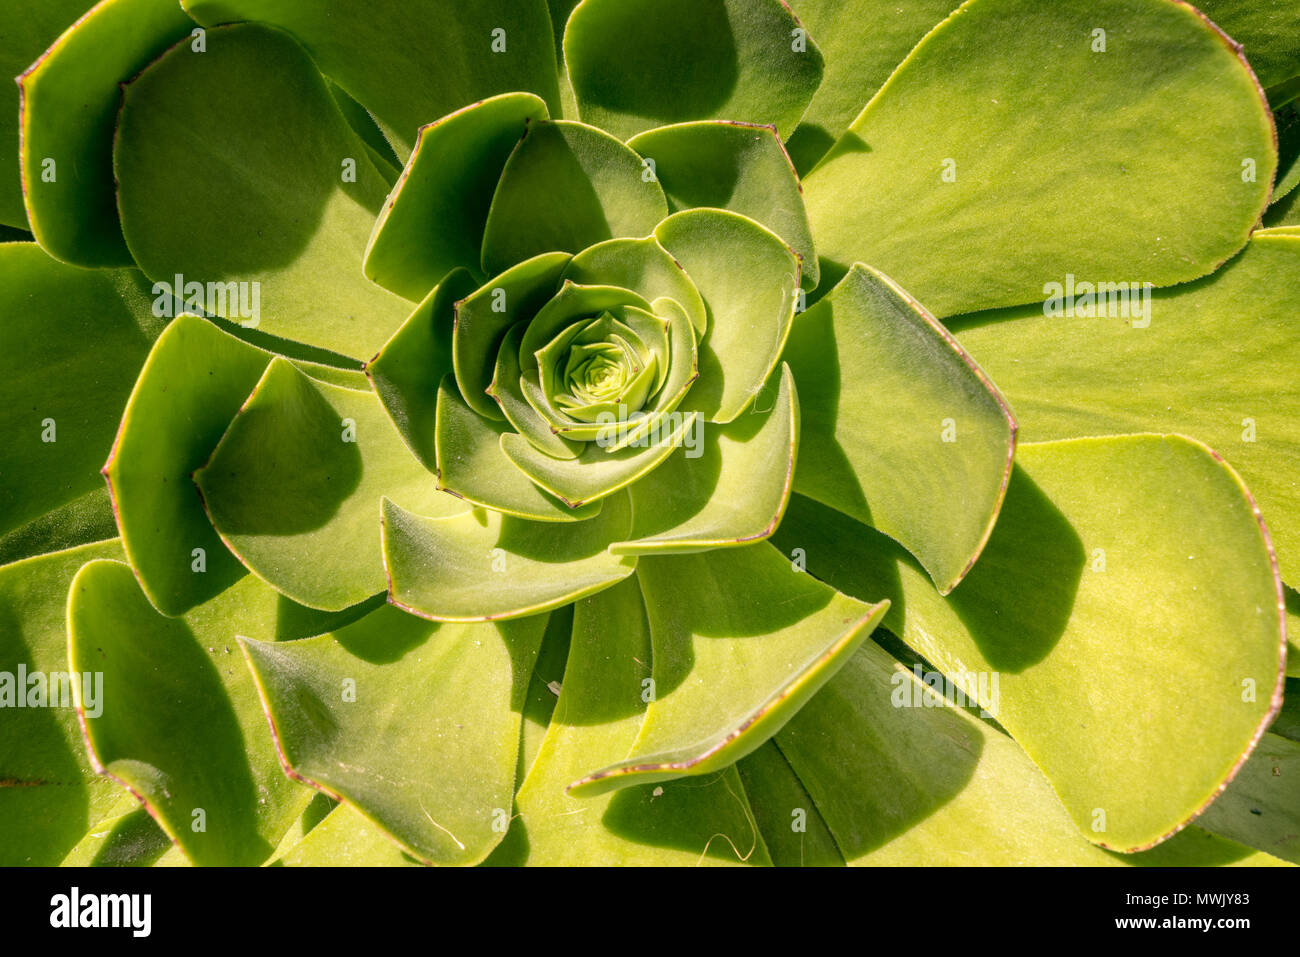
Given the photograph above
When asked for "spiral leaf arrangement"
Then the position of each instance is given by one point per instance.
(650, 432)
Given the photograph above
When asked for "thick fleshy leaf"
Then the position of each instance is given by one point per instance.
(731, 489)
(506, 390)
(742, 640)
(88, 518)
(597, 472)
(1288, 144)
(31, 27)
(345, 838)
(795, 834)
(280, 234)
(863, 41)
(433, 220)
(749, 279)
(638, 64)
(71, 343)
(409, 368)
(72, 204)
(565, 187)
(127, 836)
(1215, 359)
(472, 466)
(483, 318)
(544, 687)
(642, 266)
(181, 724)
(1292, 632)
(1269, 33)
(900, 777)
(359, 118)
(902, 430)
(1261, 807)
(194, 382)
(596, 719)
(421, 723)
(408, 75)
(560, 11)
(49, 796)
(1158, 550)
(738, 166)
(942, 155)
(485, 566)
(294, 486)
(572, 302)
(1283, 93)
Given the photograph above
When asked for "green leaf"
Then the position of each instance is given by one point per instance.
(1202, 361)
(411, 61)
(1268, 31)
(294, 486)
(596, 719)
(49, 796)
(408, 369)
(1292, 632)
(72, 204)
(434, 218)
(598, 472)
(482, 319)
(901, 784)
(487, 566)
(290, 217)
(506, 390)
(1145, 543)
(902, 430)
(943, 156)
(638, 64)
(88, 518)
(565, 187)
(738, 166)
(1261, 807)
(1288, 134)
(544, 687)
(31, 27)
(415, 724)
(125, 837)
(571, 303)
(193, 383)
(643, 267)
(71, 342)
(345, 838)
(749, 279)
(365, 126)
(1283, 93)
(862, 41)
(472, 466)
(181, 723)
(795, 834)
(731, 489)
(741, 641)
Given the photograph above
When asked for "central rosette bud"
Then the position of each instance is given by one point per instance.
(583, 320)
(600, 367)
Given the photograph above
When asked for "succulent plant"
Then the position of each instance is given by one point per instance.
(650, 432)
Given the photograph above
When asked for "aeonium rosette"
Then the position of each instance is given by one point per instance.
(614, 364)
(483, 498)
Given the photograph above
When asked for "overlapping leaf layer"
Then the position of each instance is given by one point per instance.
(649, 432)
